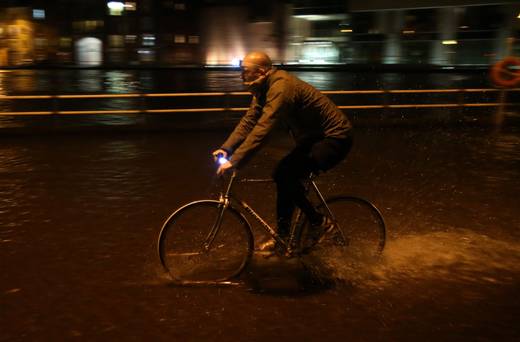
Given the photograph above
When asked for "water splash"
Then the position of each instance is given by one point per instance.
(457, 256)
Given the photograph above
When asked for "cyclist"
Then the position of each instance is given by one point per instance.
(321, 130)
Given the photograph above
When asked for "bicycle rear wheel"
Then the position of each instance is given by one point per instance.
(192, 251)
(360, 230)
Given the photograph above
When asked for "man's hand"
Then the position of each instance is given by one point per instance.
(223, 168)
(219, 153)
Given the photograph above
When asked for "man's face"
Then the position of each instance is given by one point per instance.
(250, 71)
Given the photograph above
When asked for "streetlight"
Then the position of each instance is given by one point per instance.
(116, 5)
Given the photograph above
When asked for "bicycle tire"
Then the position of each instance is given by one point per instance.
(360, 230)
(181, 244)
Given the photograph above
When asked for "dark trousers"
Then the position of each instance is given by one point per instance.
(290, 173)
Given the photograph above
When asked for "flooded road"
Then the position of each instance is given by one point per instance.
(79, 216)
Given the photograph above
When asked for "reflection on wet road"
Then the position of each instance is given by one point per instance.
(79, 216)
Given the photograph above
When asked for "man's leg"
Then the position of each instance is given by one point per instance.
(295, 168)
(327, 153)
(321, 156)
(288, 176)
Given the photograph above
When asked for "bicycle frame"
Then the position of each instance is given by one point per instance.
(227, 198)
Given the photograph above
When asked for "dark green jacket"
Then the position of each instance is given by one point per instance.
(283, 97)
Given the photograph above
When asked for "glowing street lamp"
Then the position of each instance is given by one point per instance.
(116, 5)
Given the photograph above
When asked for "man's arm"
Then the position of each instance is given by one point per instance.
(279, 99)
(244, 127)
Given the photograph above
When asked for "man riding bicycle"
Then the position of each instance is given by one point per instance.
(321, 130)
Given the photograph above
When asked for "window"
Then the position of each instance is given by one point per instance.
(130, 38)
(193, 39)
(148, 40)
(179, 38)
(65, 42)
(130, 6)
(38, 14)
(40, 42)
(116, 41)
(87, 25)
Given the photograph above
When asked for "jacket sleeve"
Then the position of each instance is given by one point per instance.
(244, 127)
(278, 100)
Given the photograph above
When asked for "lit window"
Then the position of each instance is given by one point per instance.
(130, 6)
(130, 38)
(180, 6)
(65, 42)
(40, 42)
(148, 40)
(38, 14)
(146, 55)
(193, 39)
(90, 25)
(179, 38)
(116, 41)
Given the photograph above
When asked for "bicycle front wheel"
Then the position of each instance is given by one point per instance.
(360, 230)
(195, 246)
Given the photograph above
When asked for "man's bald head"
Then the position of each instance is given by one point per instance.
(257, 60)
(255, 67)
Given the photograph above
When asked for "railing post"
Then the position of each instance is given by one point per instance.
(55, 110)
(460, 101)
(386, 94)
(227, 105)
(499, 114)
(142, 108)
(55, 105)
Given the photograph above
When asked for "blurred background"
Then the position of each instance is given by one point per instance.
(53, 49)
(219, 32)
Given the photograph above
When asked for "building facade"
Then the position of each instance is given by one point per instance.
(219, 32)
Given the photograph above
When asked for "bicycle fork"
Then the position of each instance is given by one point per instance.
(224, 204)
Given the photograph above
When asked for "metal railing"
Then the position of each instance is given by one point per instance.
(143, 107)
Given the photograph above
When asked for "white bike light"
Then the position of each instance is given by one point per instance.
(222, 160)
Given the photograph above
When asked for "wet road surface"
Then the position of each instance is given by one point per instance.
(79, 216)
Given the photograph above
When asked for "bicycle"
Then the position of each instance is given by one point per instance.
(211, 241)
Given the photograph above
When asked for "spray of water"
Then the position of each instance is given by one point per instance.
(459, 256)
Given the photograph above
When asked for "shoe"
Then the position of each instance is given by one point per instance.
(266, 246)
(319, 230)
(269, 248)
